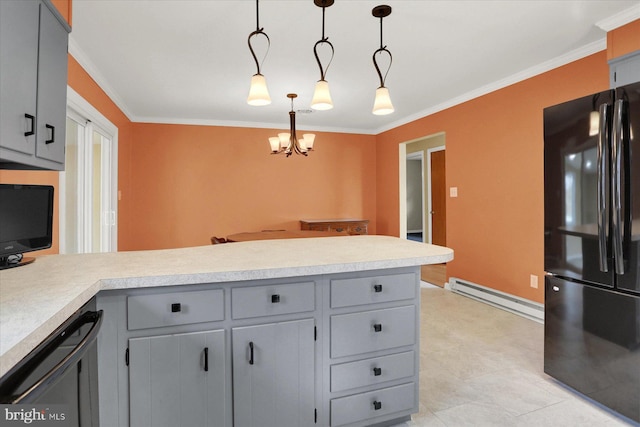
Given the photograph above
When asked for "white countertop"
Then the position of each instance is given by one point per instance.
(35, 299)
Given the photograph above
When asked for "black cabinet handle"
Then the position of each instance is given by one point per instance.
(176, 307)
(377, 288)
(53, 134)
(275, 298)
(251, 353)
(377, 372)
(32, 130)
(377, 327)
(377, 405)
(206, 359)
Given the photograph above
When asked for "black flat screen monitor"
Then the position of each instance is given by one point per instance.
(26, 221)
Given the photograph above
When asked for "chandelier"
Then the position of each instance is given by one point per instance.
(288, 142)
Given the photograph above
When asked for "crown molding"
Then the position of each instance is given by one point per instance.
(620, 18)
(254, 125)
(574, 55)
(88, 65)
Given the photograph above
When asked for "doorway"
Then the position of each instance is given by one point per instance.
(88, 186)
(429, 152)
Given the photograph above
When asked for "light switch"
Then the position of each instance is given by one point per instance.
(533, 281)
(453, 192)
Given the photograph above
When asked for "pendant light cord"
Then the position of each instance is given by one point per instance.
(259, 31)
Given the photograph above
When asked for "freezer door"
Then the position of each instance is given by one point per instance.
(626, 187)
(577, 189)
(592, 343)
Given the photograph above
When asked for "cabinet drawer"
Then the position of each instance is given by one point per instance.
(368, 331)
(363, 406)
(259, 301)
(372, 371)
(176, 308)
(370, 290)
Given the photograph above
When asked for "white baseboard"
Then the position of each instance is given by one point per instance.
(520, 306)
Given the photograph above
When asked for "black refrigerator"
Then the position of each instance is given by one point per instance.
(591, 239)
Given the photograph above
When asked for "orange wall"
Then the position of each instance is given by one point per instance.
(623, 40)
(495, 158)
(193, 182)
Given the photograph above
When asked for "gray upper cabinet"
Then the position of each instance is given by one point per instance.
(33, 85)
(625, 70)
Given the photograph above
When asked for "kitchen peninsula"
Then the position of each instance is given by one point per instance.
(333, 320)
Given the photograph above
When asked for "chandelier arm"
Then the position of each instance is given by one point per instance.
(375, 63)
(258, 32)
(323, 72)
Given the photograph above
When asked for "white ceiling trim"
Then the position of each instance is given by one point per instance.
(79, 55)
(620, 19)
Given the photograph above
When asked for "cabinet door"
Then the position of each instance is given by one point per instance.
(178, 380)
(625, 70)
(18, 73)
(273, 374)
(52, 88)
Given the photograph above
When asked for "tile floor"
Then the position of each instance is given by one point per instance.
(483, 366)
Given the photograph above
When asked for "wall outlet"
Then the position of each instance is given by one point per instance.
(453, 192)
(533, 281)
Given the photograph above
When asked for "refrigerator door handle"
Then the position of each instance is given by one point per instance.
(603, 186)
(616, 223)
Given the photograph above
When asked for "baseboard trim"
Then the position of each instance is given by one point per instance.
(520, 306)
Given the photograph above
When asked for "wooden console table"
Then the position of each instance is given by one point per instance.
(280, 234)
(351, 226)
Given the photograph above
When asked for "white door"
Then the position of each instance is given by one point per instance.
(88, 186)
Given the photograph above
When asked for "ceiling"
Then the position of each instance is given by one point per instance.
(184, 61)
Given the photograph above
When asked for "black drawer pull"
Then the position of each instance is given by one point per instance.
(275, 298)
(176, 307)
(377, 405)
(377, 327)
(53, 134)
(377, 372)
(377, 288)
(32, 130)
(251, 353)
(206, 359)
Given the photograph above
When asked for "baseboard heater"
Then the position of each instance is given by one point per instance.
(520, 306)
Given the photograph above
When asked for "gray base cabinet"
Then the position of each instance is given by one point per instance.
(274, 374)
(178, 380)
(329, 350)
(33, 85)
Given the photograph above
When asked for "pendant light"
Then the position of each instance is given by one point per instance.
(321, 96)
(382, 104)
(287, 142)
(258, 92)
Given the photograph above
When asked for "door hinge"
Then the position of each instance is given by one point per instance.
(315, 416)
(315, 333)
(126, 357)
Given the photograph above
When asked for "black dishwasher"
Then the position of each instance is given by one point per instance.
(57, 383)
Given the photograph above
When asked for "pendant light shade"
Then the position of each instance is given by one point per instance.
(382, 104)
(321, 96)
(258, 92)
